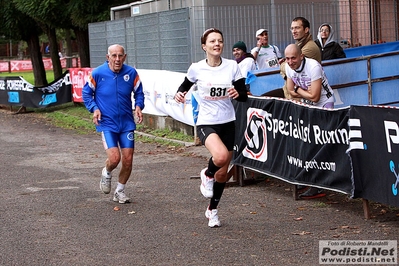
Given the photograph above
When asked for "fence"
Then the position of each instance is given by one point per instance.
(155, 41)
(354, 22)
(363, 80)
(170, 40)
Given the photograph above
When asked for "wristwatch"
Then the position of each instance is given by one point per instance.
(296, 88)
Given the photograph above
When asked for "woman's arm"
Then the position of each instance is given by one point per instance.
(182, 90)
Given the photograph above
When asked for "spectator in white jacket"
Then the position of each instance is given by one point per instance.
(245, 60)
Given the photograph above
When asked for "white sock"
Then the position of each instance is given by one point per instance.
(120, 187)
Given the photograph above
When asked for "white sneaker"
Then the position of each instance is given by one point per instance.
(213, 217)
(105, 182)
(206, 185)
(121, 197)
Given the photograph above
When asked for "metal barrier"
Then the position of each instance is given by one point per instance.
(365, 80)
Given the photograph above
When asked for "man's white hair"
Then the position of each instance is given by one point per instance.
(114, 46)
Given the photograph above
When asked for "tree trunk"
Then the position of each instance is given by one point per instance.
(20, 50)
(68, 51)
(82, 37)
(55, 58)
(37, 61)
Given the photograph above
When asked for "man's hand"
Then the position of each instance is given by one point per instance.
(138, 115)
(96, 117)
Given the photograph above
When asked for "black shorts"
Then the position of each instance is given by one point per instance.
(226, 133)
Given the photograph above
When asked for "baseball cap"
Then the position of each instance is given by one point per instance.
(260, 31)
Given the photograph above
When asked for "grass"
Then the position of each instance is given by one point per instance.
(28, 76)
(69, 116)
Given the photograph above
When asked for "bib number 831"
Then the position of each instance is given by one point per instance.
(218, 92)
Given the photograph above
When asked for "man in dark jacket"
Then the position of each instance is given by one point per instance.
(328, 47)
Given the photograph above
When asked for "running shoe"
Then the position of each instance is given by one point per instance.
(121, 197)
(105, 182)
(213, 217)
(206, 185)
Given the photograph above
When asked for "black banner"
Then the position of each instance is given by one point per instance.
(374, 151)
(293, 142)
(19, 92)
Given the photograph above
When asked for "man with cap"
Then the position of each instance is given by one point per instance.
(266, 55)
(246, 61)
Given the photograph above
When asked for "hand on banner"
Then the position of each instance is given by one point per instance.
(96, 117)
(179, 96)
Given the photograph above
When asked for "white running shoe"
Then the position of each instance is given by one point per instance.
(206, 185)
(213, 217)
(121, 197)
(105, 182)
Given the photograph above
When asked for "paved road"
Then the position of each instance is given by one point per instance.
(53, 213)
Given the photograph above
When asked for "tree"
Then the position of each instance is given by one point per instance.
(28, 19)
(50, 15)
(68, 14)
(17, 26)
(84, 12)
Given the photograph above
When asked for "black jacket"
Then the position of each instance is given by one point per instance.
(331, 51)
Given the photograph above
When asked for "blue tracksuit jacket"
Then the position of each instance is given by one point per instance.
(112, 93)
